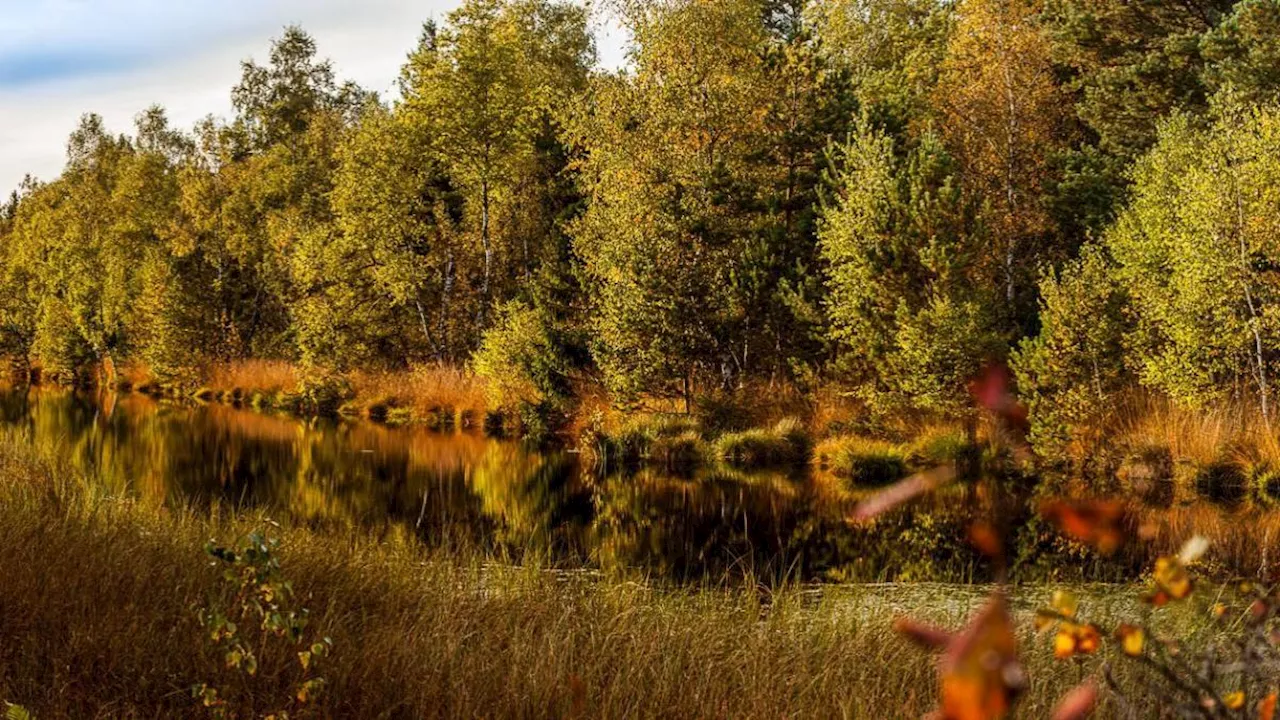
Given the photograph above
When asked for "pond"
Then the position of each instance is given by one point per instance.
(451, 489)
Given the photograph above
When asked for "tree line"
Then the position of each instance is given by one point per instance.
(884, 194)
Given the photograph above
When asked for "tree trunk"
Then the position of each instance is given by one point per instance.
(446, 297)
(488, 253)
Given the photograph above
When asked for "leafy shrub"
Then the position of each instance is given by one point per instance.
(260, 622)
(1070, 373)
(318, 394)
(519, 360)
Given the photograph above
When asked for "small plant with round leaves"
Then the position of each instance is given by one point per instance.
(256, 618)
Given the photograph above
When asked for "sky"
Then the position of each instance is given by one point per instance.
(62, 58)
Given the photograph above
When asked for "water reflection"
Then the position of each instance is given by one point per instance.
(446, 488)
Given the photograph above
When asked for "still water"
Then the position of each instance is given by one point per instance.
(447, 489)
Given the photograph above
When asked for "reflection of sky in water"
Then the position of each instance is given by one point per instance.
(714, 524)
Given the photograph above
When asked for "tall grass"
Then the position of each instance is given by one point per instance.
(97, 620)
(267, 377)
(444, 393)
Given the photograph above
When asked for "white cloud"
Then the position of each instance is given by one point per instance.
(62, 58)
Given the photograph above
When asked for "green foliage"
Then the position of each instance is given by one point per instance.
(1071, 372)
(903, 246)
(863, 461)
(258, 621)
(520, 361)
(17, 712)
(1194, 251)
(673, 440)
(853, 193)
(1244, 52)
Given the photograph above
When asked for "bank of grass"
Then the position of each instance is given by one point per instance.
(436, 395)
(97, 619)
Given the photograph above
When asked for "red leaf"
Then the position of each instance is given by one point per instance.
(1077, 704)
(1101, 523)
(924, 635)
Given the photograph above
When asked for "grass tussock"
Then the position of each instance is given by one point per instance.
(786, 443)
(668, 439)
(864, 461)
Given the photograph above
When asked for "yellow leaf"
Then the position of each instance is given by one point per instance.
(1132, 639)
(1234, 701)
(1064, 602)
(1064, 644)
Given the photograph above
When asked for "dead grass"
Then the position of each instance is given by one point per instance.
(426, 391)
(266, 377)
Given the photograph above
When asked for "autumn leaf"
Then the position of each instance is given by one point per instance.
(1077, 704)
(1100, 523)
(1132, 639)
(1267, 707)
(981, 674)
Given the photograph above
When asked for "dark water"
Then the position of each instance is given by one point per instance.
(446, 489)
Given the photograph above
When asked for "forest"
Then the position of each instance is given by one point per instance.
(829, 353)
(863, 199)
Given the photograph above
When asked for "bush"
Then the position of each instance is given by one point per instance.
(520, 361)
(320, 394)
(1070, 373)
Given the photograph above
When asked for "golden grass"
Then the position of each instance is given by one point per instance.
(425, 390)
(97, 621)
(1229, 431)
(253, 376)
